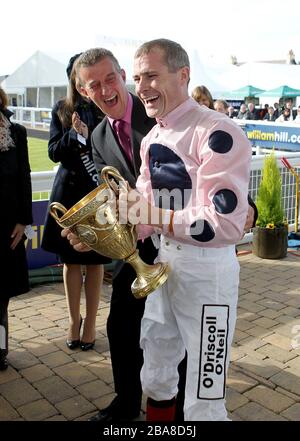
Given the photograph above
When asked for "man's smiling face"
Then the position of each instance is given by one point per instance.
(105, 85)
(160, 90)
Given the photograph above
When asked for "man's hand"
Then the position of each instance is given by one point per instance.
(75, 241)
(250, 219)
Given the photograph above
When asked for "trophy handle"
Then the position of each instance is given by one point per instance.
(54, 207)
(112, 171)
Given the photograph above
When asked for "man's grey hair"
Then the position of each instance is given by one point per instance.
(93, 56)
(175, 56)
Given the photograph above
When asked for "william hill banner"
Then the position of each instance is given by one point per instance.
(279, 137)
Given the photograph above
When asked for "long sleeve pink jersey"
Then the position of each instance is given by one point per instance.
(197, 162)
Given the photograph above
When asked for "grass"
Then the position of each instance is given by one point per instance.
(38, 155)
(39, 161)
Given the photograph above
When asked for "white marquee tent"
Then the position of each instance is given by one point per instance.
(42, 80)
(38, 82)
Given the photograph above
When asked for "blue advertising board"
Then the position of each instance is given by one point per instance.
(235, 103)
(36, 256)
(279, 137)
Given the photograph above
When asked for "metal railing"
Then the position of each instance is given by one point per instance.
(288, 194)
(42, 184)
(288, 180)
(34, 117)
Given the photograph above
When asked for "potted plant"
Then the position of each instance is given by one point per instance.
(270, 236)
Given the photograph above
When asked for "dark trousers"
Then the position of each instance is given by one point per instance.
(123, 331)
(4, 327)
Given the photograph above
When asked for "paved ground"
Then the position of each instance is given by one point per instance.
(47, 381)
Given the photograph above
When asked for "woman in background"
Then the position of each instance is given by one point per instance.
(16, 213)
(221, 106)
(203, 96)
(285, 116)
(73, 121)
(270, 115)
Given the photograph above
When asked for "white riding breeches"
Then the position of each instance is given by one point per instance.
(195, 310)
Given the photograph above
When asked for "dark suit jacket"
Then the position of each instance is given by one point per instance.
(106, 149)
(15, 181)
(16, 208)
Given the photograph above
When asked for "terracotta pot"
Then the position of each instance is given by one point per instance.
(270, 243)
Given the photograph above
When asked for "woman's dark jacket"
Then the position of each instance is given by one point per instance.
(73, 179)
(16, 208)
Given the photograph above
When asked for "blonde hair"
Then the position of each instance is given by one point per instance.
(198, 93)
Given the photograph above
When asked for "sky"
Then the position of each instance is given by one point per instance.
(249, 29)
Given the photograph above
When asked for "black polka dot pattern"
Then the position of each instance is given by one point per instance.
(202, 231)
(220, 141)
(170, 180)
(225, 201)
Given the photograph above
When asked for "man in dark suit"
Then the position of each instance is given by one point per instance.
(103, 81)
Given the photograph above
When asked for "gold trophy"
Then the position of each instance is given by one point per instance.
(93, 219)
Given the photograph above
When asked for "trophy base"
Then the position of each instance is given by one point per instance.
(144, 284)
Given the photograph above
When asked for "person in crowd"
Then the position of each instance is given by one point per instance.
(232, 113)
(276, 110)
(263, 111)
(285, 116)
(221, 106)
(270, 115)
(72, 123)
(195, 310)
(297, 119)
(292, 112)
(15, 194)
(202, 95)
(251, 112)
(242, 112)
